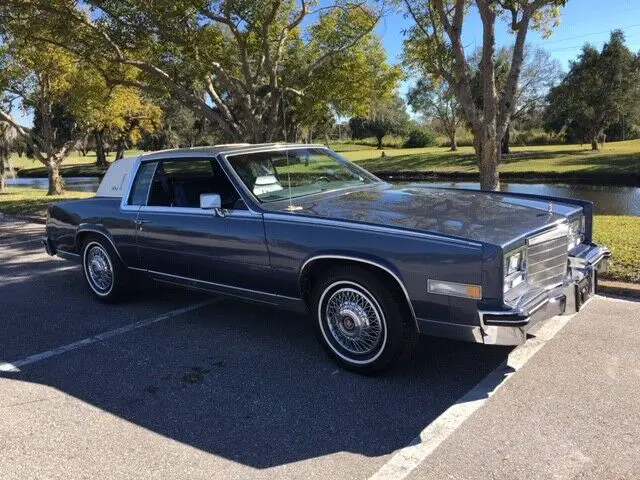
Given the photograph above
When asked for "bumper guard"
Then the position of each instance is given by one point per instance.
(512, 325)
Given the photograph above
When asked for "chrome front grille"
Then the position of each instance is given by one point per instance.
(547, 258)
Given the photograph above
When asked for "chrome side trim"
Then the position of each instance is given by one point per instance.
(229, 213)
(88, 228)
(222, 285)
(297, 218)
(369, 262)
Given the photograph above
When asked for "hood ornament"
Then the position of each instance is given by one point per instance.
(550, 210)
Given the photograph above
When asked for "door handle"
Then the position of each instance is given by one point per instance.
(139, 223)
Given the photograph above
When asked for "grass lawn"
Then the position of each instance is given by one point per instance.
(617, 158)
(31, 201)
(620, 233)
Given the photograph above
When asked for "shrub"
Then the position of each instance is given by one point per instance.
(420, 137)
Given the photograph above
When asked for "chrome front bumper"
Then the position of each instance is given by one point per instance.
(510, 326)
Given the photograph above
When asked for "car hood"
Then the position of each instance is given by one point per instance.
(480, 216)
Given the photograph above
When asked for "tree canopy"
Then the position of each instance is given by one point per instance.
(600, 86)
(229, 60)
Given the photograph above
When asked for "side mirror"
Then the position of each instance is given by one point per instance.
(211, 201)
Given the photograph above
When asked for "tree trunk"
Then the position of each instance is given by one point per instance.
(505, 150)
(379, 142)
(120, 148)
(594, 144)
(454, 142)
(56, 186)
(101, 157)
(3, 183)
(489, 174)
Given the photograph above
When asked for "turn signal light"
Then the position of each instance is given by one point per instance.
(454, 289)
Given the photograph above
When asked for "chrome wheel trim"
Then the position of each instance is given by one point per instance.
(98, 269)
(352, 322)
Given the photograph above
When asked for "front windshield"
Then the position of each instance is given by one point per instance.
(308, 170)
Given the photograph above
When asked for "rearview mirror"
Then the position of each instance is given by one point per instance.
(210, 201)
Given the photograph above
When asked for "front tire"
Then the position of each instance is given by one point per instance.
(363, 323)
(104, 272)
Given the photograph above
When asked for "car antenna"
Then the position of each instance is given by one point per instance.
(291, 207)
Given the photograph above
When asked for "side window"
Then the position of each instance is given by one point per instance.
(179, 183)
(140, 188)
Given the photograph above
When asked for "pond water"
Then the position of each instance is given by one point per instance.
(608, 200)
(76, 184)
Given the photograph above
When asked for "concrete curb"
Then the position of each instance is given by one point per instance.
(620, 289)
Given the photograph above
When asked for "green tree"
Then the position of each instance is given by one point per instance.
(112, 111)
(436, 100)
(540, 72)
(435, 47)
(229, 60)
(39, 79)
(599, 88)
(386, 117)
(180, 127)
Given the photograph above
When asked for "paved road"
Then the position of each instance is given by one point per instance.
(571, 412)
(227, 390)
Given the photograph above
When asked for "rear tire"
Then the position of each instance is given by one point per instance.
(104, 272)
(364, 324)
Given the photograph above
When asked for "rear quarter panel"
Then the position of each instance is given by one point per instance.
(100, 214)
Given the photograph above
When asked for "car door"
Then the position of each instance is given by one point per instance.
(181, 243)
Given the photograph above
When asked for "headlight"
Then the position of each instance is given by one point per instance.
(576, 232)
(513, 262)
(514, 270)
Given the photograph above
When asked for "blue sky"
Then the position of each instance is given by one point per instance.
(582, 21)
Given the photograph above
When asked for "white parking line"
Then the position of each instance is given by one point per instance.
(15, 365)
(410, 457)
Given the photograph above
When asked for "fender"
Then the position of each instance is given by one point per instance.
(97, 229)
(375, 263)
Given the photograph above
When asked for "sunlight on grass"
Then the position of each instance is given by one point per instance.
(622, 235)
(619, 157)
(32, 201)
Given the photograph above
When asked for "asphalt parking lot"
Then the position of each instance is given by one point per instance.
(174, 384)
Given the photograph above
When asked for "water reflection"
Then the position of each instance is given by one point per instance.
(607, 200)
(75, 184)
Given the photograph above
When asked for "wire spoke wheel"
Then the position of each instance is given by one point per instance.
(99, 269)
(355, 322)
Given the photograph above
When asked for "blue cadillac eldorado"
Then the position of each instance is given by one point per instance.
(298, 226)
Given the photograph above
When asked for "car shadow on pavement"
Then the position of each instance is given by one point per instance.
(252, 384)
